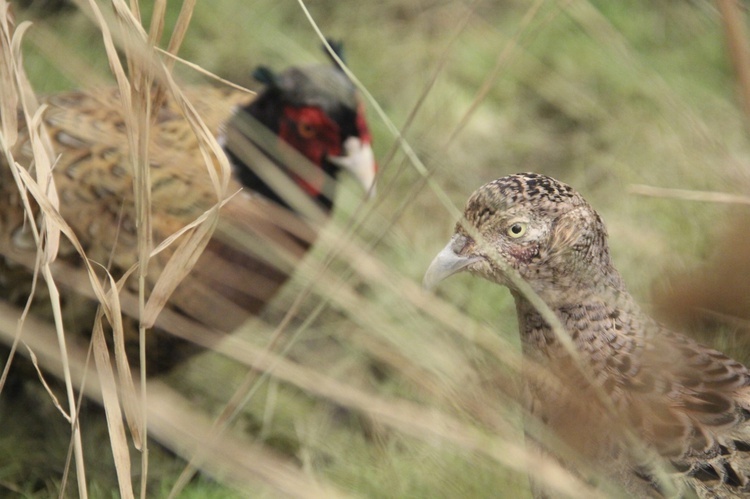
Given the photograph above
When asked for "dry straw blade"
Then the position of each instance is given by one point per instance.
(176, 422)
(45, 197)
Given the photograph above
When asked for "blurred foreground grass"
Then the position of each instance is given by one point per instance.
(599, 94)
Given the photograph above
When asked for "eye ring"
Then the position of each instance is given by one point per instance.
(517, 229)
(306, 130)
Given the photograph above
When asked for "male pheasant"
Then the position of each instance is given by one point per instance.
(629, 394)
(304, 116)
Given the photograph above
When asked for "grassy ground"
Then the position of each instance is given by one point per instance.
(599, 94)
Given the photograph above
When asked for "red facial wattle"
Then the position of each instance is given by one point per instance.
(310, 131)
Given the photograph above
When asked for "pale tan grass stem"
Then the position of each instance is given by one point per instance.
(688, 195)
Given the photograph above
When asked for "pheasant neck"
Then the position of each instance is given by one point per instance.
(252, 181)
(595, 322)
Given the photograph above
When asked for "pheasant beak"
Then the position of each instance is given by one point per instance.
(359, 160)
(448, 262)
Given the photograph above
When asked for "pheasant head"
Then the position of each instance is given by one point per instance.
(313, 111)
(536, 226)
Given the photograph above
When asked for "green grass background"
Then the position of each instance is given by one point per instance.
(599, 94)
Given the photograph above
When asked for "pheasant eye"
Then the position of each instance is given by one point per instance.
(517, 230)
(306, 130)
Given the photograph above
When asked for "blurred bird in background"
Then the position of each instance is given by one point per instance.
(286, 148)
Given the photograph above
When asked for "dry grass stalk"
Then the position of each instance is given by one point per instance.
(144, 68)
(176, 423)
(18, 93)
(135, 94)
(689, 195)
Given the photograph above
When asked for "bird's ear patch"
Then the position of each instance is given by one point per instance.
(337, 46)
(266, 76)
(565, 232)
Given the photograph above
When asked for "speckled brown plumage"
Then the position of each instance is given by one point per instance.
(259, 235)
(685, 402)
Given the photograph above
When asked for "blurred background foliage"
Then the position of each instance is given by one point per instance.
(599, 94)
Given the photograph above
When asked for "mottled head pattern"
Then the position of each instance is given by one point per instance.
(520, 191)
(542, 228)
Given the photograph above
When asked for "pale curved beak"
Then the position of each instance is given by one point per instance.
(359, 160)
(447, 263)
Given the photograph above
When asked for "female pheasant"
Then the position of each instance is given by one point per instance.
(653, 411)
(286, 148)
